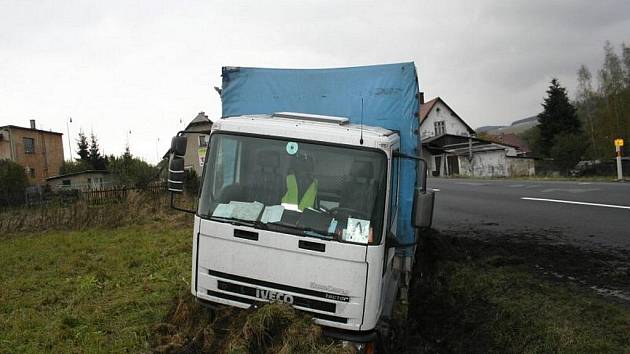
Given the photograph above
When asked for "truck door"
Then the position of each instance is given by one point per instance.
(390, 278)
(392, 214)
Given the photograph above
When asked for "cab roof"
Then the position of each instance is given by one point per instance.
(309, 127)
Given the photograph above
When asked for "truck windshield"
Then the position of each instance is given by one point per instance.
(307, 189)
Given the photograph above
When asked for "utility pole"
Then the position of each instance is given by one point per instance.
(69, 143)
(618, 145)
(470, 155)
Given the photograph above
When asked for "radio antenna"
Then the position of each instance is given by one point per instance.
(361, 140)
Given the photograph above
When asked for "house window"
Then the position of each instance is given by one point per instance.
(203, 140)
(29, 145)
(440, 127)
(31, 172)
(66, 182)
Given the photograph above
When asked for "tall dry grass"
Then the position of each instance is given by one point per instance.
(137, 208)
(273, 328)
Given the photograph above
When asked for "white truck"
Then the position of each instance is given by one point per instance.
(305, 209)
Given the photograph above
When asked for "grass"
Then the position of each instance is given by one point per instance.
(126, 289)
(137, 208)
(489, 302)
(90, 291)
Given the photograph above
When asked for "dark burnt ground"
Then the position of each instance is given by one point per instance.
(488, 292)
(548, 255)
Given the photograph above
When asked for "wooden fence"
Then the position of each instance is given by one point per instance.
(92, 197)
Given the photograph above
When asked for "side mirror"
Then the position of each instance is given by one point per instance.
(423, 202)
(178, 145)
(176, 174)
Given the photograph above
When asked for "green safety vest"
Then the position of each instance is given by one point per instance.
(292, 195)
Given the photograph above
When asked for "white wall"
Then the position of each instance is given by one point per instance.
(441, 112)
(484, 164)
(429, 158)
(521, 167)
(496, 164)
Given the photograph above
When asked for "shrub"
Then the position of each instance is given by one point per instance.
(13, 182)
(567, 150)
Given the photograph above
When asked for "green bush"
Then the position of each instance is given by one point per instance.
(13, 182)
(191, 182)
(567, 150)
(132, 171)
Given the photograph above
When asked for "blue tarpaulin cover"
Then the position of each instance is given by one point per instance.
(389, 94)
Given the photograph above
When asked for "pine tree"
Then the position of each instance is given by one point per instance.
(82, 144)
(558, 117)
(127, 155)
(96, 160)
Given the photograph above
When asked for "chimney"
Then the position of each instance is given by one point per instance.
(421, 97)
(32, 123)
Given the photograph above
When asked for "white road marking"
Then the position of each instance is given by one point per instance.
(435, 189)
(578, 203)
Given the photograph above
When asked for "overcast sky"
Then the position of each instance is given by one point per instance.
(142, 66)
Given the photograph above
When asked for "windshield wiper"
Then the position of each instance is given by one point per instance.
(305, 230)
(235, 221)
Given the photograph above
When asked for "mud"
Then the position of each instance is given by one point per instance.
(595, 268)
(447, 314)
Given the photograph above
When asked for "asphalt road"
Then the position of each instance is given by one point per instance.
(590, 214)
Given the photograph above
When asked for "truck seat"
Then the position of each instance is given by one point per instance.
(357, 192)
(269, 184)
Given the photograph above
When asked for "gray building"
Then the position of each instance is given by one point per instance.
(86, 180)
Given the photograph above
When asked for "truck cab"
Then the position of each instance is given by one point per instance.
(301, 209)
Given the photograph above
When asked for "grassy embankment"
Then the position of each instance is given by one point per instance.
(97, 288)
(93, 290)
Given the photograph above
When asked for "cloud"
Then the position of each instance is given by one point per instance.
(115, 66)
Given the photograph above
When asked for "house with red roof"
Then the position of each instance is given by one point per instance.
(451, 148)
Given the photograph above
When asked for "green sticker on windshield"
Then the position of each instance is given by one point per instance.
(292, 148)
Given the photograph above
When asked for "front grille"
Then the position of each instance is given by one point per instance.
(296, 300)
(293, 289)
(320, 316)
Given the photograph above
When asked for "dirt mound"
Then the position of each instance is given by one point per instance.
(272, 328)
